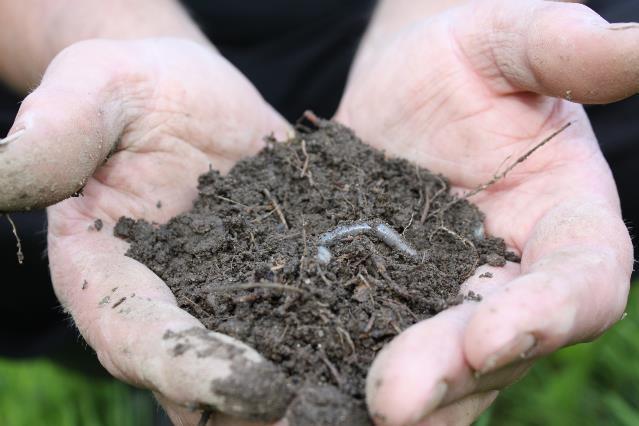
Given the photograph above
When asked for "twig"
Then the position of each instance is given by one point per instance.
(231, 201)
(206, 415)
(499, 176)
(624, 27)
(520, 160)
(347, 336)
(410, 222)
(277, 208)
(464, 241)
(310, 116)
(19, 253)
(305, 172)
(249, 286)
(330, 366)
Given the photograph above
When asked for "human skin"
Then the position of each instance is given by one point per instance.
(174, 107)
(464, 94)
(171, 119)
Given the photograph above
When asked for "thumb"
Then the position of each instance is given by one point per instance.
(557, 49)
(63, 131)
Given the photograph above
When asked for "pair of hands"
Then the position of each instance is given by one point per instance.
(457, 93)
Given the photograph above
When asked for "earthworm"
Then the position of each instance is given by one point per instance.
(378, 229)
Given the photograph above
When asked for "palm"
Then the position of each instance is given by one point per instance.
(442, 105)
(183, 109)
(450, 119)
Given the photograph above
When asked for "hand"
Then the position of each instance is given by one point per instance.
(462, 94)
(163, 111)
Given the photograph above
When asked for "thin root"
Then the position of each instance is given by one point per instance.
(465, 241)
(249, 286)
(330, 366)
(232, 201)
(499, 176)
(19, 253)
(206, 415)
(277, 208)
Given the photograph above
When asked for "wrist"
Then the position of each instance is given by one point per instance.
(49, 27)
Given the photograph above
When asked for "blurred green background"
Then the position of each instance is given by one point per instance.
(587, 384)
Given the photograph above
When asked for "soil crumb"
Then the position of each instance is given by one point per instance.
(317, 252)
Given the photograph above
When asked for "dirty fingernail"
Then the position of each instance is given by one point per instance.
(12, 137)
(519, 347)
(438, 394)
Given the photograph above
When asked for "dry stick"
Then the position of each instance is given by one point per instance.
(19, 253)
(429, 200)
(231, 201)
(330, 366)
(206, 415)
(464, 241)
(310, 116)
(277, 208)
(305, 166)
(521, 159)
(625, 27)
(496, 178)
(250, 286)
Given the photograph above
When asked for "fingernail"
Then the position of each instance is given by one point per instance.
(519, 347)
(439, 392)
(12, 137)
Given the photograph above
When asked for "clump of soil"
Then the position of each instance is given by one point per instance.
(317, 252)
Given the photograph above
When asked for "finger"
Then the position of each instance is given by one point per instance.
(191, 416)
(425, 366)
(576, 270)
(463, 411)
(558, 49)
(129, 316)
(66, 129)
(100, 93)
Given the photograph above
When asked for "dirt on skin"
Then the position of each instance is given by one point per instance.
(317, 252)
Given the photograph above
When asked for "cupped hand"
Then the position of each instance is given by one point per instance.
(465, 94)
(134, 123)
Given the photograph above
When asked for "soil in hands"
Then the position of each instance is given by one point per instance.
(245, 260)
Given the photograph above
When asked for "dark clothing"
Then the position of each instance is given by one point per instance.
(297, 53)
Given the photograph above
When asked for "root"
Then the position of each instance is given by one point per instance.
(630, 26)
(232, 201)
(464, 241)
(305, 172)
(277, 208)
(250, 286)
(343, 333)
(310, 116)
(19, 253)
(520, 160)
(206, 415)
(499, 176)
(330, 366)
(429, 200)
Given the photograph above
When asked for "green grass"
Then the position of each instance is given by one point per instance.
(588, 384)
(41, 393)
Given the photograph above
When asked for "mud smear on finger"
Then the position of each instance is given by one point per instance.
(317, 252)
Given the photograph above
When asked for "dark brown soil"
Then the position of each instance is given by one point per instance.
(245, 260)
